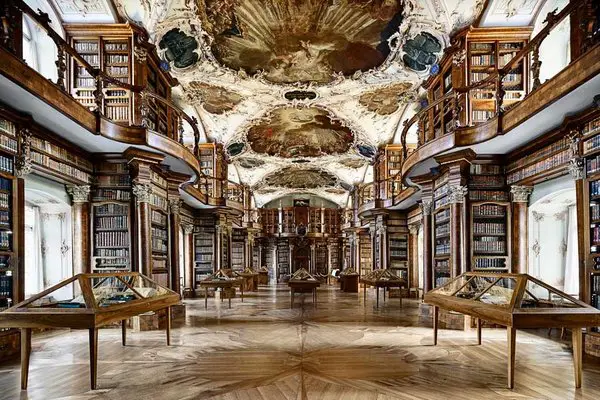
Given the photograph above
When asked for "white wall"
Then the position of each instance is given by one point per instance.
(555, 50)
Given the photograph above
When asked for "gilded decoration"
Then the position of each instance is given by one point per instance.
(306, 41)
(300, 132)
(385, 101)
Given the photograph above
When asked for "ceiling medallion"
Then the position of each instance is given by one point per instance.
(291, 132)
(293, 41)
(421, 52)
(179, 48)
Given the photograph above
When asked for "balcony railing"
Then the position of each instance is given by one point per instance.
(456, 104)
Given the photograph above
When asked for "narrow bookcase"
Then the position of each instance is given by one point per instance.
(365, 252)
(441, 232)
(398, 254)
(237, 250)
(159, 228)
(204, 246)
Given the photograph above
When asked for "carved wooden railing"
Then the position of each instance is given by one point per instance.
(101, 79)
(455, 99)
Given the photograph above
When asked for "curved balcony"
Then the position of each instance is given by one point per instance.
(514, 118)
(92, 119)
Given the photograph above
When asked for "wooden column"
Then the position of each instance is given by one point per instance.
(142, 193)
(188, 278)
(174, 227)
(80, 212)
(426, 206)
(456, 198)
(312, 268)
(520, 208)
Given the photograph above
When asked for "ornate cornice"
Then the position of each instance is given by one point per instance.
(79, 194)
(142, 192)
(456, 194)
(520, 194)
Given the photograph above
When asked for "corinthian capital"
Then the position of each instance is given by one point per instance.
(456, 194)
(520, 194)
(142, 192)
(79, 194)
(175, 206)
(426, 207)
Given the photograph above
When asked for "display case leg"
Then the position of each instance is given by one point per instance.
(315, 298)
(168, 326)
(436, 311)
(365, 293)
(25, 354)
(205, 298)
(242, 290)
(511, 336)
(93, 357)
(291, 298)
(377, 290)
(479, 331)
(577, 336)
(124, 332)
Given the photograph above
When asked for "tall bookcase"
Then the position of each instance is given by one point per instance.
(204, 246)
(321, 258)
(111, 217)
(283, 257)
(398, 249)
(441, 232)
(159, 227)
(366, 253)
(490, 220)
(486, 56)
(237, 250)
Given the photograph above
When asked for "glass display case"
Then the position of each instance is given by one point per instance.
(517, 301)
(303, 282)
(224, 280)
(382, 278)
(88, 301)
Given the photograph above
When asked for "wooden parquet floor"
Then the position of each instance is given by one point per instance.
(261, 349)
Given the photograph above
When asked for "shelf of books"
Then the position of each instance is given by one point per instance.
(158, 112)
(8, 136)
(490, 220)
(590, 133)
(314, 220)
(207, 165)
(334, 256)
(393, 160)
(398, 248)
(203, 251)
(287, 220)
(7, 220)
(551, 159)
(159, 227)
(595, 289)
(321, 259)
(441, 221)
(50, 158)
(366, 253)
(256, 262)
(237, 250)
(111, 55)
(270, 220)
(111, 217)
(283, 257)
(486, 57)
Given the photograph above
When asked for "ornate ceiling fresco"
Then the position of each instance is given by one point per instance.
(314, 86)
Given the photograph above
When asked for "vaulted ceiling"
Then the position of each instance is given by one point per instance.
(301, 93)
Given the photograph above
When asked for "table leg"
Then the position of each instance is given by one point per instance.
(230, 301)
(377, 289)
(124, 332)
(436, 311)
(365, 294)
(384, 289)
(479, 331)
(93, 357)
(242, 290)
(25, 354)
(400, 295)
(315, 298)
(511, 336)
(168, 326)
(577, 335)
(205, 298)
(291, 298)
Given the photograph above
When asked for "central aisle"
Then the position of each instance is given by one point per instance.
(261, 349)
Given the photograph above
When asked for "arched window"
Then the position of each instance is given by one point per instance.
(30, 54)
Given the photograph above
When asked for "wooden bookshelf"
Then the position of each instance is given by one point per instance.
(270, 220)
(398, 249)
(8, 182)
(393, 165)
(111, 217)
(321, 258)
(237, 250)
(59, 160)
(283, 257)
(204, 246)
(334, 255)
(540, 162)
(441, 231)
(365, 253)
(159, 227)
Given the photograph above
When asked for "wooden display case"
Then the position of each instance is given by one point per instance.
(517, 301)
(96, 300)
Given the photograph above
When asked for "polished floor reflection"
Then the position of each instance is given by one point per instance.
(262, 349)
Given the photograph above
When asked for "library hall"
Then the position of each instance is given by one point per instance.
(299, 199)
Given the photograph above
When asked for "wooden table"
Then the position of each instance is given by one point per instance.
(250, 281)
(223, 284)
(303, 286)
(522, 310)
(399, 283)
(89, 315)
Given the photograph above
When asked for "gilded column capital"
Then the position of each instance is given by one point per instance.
(457, 194)
(426, 207)
(413, 229)
(175, 206)
(79, 194)
(142, 192)
(188, 229)
(520, 194)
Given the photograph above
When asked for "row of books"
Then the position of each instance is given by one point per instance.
(482, 115)
(158, 218)
(203, 257)
(158, 245)
(490, 245)
(112, 262)
(489, 228)
(4, 218)
(6, 164)
(491, 263)
(593, 164)
(158, 201)
(442, 216)
(8, 127)
(595, 234)
(398, 253)
(595, 211)
(488, 195)
(111, 194)
(442, 230)
(554, 161)
(489, 210)
(116, 222)
(441, 202)
(116, 113)
(595, 188)
(441, 191)
(111, 209)
(482, 46)
(595, 291)
(6, 285)
(442, 248)
(85, 82)
(540, 154)
(116, 58)
(486, 169)
(111, 239)
(159, 233)
(478, 76)
(55, 165)
(505, 59)
(591, 127)
(591, 144)
(442, 265)
(91, 46)
(5, 241)
(486, 60)
(113, 168)
(8, 143)
(123, 253)
(116, 46)
(92, 59)
(487, 180)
